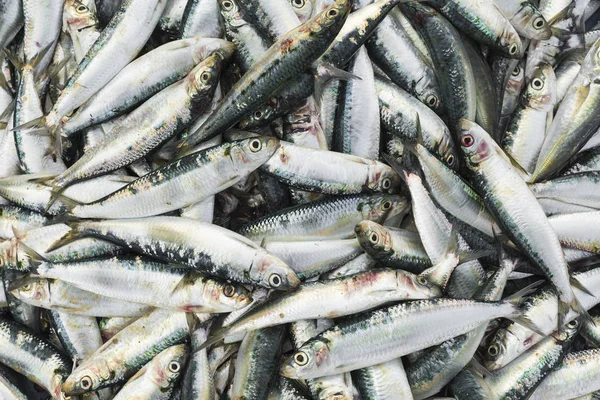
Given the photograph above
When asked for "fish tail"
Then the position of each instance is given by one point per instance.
(75, 233)
(517, 315)
(216, 337)
(326, 72)
(576, 306)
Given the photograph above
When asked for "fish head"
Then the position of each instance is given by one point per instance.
(203, 79)
(382, 178)
(167, 366)
(503, 348)
(229, 296)
(33, 291)
(333, 17)
(374, 238)
(254, 150)
(535, 25)
(516, 80)
(260, 115)
(383, 207)
(79, 14)
(311, 358)
(475, 142)
(591, 62)
(447, 151)
(303, 9)
(510, 42)
(427, 90)
(270, 271)
(231, 13)
(206, 47)
(421, 286)
(541, 89)
(86, 378)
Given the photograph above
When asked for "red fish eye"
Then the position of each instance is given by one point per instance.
(467, 140)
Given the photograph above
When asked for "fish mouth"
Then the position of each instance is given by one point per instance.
(289, 372)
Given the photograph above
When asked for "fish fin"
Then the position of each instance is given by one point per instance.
(74, 234)
(34, 257)
(17, 233)
(23, 281)
(57, 194)
(452, 245)
(14, 60)
(397, 167)
(217, 336)
(34, 123)
(8, 110)
(466, 256)
(579, 309)
(577, 284)
(326, 72)
(54, 70)
(517, 316)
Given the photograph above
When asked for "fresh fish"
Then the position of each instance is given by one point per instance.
(393, 247)
(54, 294)
(197, 381)
(334, 218)
(526, 18)
(203, 246)
(384, 381)
(11, 22)
(16, 219)
(290, 55)
(357, 131)
(526, 130)
(78, 334)
(155, 284)
(329, 172)
(201, 19)
(507, 196)
(333, 298)
(143, 78)
(145, 128)
(128, 351)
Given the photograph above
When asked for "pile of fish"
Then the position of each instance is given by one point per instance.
(299, 199)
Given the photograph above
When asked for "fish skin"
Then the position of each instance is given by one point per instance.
(11, 22)
(201, 18)
(527, 19)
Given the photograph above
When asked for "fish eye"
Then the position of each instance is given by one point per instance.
(26, 288)
(573, 324)
(301, 358)
(298, 3)
(467, 140)
(450, 160)
(493, 350)
(174, 366)
(332, 13)
(205, 77)
(431, 100)
(258, 114)
(512, 50)
(227, 5)
(86, 383)
(386, 205)
(422, 280)
(537, 84)
(373, 237)
(275, 280)
(255, 145)
(539, 23)
(82, 9)
(228, 290)
(516, 71)
(386, 183)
